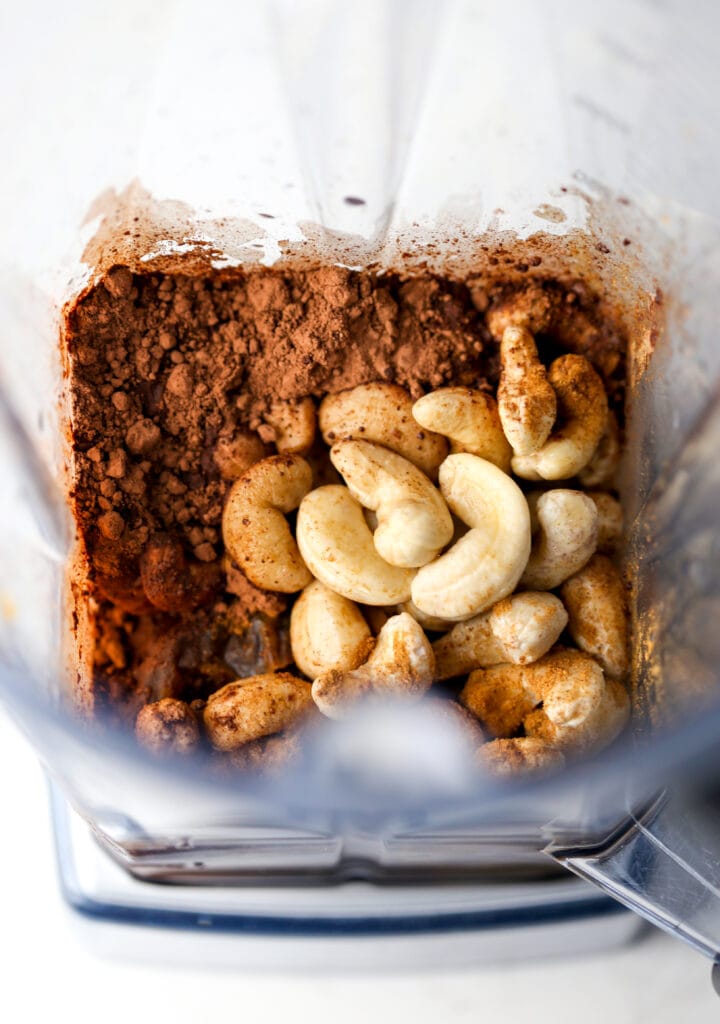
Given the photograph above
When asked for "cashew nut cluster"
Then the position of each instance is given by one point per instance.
(563, 700)
(417, 553)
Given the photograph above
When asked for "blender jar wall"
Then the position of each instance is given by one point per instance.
(291, 110)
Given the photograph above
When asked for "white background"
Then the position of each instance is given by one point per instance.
(47, 970)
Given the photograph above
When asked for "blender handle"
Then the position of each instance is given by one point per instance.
(664, 864)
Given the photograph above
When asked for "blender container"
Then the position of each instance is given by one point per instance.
(447, 134)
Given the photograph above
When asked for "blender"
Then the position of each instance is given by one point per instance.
(388, 134)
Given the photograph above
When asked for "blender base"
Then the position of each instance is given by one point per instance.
(354, 925)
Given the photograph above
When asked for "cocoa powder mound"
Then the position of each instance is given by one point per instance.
(170, 373)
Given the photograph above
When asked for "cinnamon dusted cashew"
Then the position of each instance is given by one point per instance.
(469, 419)
(530, 306)
(610, 521)
(522, 756)
(468, 645)
(337, 545)
(293, 425)
(602, 468)
(413, 521)
(526, 399)
(603, 725)
(595, 600)
(570, 686)
(486, 564)
(167, 726)
(518, 629)
(498, 697)
(327, 631)
(255, 531)
(565, 540)
(400, 667)
(258, 706)
(582, 416)
(382, 413)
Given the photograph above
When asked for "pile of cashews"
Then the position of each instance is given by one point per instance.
(427, 531)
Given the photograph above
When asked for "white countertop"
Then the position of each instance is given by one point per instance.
(46, 962)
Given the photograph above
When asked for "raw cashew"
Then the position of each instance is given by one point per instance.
(338, 548)
(469, 419)
(598, 730)
(413, 521)
(527, 625)
(293, 425)
(582, 414)
(400, 667)
(610, 521)
(521, 756)
(486, 564)
(603, 465)
(254, 527)
(595, 600)
(382, 413)
(519, 629)
(569, 684)
(258, 706)
(327, 631)
(566, 538)
(526, 399)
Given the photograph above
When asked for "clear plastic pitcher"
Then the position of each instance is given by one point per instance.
(428, 132)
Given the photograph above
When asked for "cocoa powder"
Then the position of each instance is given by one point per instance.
(171, 380)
